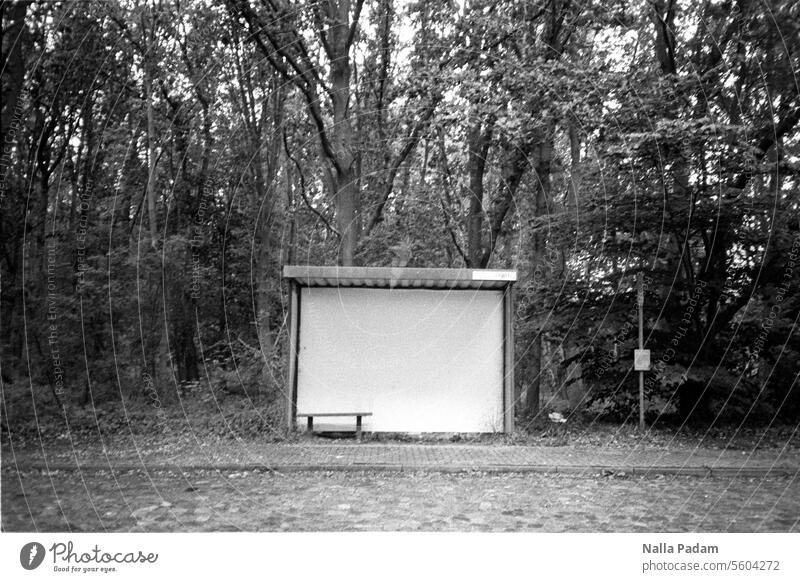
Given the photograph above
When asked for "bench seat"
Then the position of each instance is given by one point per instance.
(312, 415)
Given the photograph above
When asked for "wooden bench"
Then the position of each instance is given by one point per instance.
(358, 415)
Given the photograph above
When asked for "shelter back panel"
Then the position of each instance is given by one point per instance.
(419, 360)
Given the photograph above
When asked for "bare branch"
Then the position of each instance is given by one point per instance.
(298, 77)
(323, 37)
(411, 143)
(449, 226)
(303, 194)
(354, 25)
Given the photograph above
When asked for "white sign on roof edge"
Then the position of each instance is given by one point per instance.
(494, 275)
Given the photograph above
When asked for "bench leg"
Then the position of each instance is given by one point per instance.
(358, 428)
(310, 425)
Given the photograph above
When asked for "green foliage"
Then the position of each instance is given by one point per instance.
(570, 141)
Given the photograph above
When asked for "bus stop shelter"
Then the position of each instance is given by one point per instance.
(413, 350)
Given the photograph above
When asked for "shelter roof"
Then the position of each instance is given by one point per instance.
(396, 277)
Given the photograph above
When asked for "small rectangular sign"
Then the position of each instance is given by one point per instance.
(641, 360)
(494, 275)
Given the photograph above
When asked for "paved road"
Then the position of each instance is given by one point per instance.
(346, 486)
(211, 500)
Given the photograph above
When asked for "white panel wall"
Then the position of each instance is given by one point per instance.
(419, 360)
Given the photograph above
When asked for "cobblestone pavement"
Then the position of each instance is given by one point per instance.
(206, 500)
(437, 457)
(322, 485)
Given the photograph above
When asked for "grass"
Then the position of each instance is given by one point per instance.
(205, 416)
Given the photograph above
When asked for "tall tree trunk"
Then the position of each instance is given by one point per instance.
(13, 65)
(130, 164)
(534, 372)
(344, 172)
(538, 264)
(332, 19)
(149, 38)
(264, 276)
(516, 160)
(291, 252)
(269, 121)
(151, 160)
(13, 78)
(478, 141)
(162, 359)
(574, 168)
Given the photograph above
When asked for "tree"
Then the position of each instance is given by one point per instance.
(278, 32)
(700, 197)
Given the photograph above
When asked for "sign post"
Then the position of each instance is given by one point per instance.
(641, 357)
